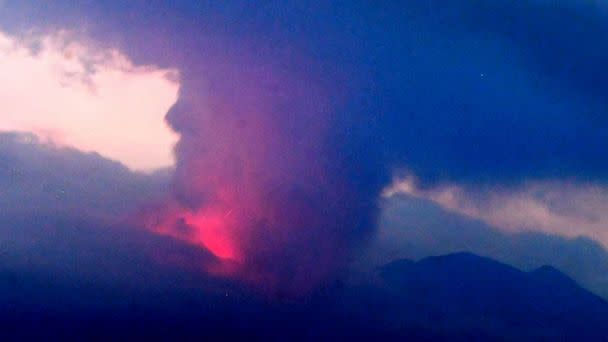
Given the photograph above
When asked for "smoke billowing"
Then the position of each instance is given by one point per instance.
(260, 180)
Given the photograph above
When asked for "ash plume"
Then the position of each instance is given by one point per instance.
(269, 176)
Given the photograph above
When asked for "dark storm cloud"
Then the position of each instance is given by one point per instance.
(503, 91)
(470, 90)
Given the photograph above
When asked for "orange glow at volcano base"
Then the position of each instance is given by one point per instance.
(209, 229)
(221, 232)
(215, 231)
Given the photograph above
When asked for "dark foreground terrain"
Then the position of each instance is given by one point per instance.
(454, 297)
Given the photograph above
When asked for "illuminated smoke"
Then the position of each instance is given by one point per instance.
(267, 177)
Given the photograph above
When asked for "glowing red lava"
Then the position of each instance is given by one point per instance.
(211, 230)
(208, 228)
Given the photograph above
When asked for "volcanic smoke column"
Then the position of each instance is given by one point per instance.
(269, 175)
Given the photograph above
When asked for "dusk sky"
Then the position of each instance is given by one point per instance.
(283, 145)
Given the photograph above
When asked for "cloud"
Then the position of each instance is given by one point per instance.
(567, 208)
(66, 90)
(42, 179)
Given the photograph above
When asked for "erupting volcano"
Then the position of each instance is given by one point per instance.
(205, 228)
(269, 175)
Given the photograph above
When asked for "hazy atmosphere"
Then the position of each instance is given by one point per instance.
(419, 170)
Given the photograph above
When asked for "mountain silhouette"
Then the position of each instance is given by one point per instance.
(465, 292)
(455, 297)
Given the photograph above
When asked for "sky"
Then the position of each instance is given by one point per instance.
(69, 92)
(290, 140)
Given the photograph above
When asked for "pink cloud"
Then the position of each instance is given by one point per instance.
(71, 92)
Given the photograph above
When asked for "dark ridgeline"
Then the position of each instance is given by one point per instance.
(454, 297)
(465, 292)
